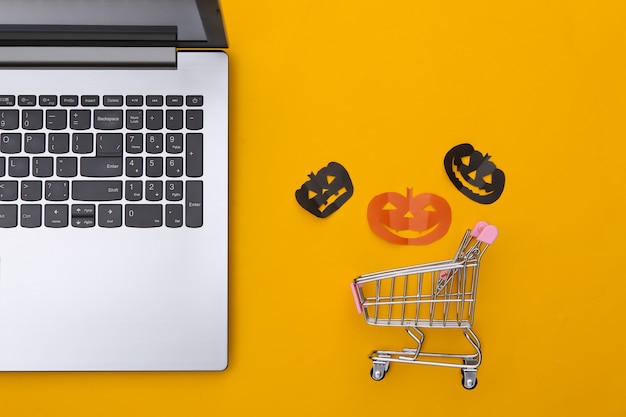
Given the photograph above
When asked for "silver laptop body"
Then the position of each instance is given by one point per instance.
(114, 186)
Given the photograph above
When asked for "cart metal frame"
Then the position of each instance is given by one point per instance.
(438, 295)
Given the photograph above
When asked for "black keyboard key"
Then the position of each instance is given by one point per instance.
(134, 190)
(134, 167)
(30, 215)
(193, 204)
(90, 101)
(173, 215)
(194, 119)
(83, 210)
(8, 215)
(174, 119)
(80, 119)
(67, 167)
(11, 143)
(154, 101)
(110, 215)
(18, 166)
(154, 119)
(113, 101)
(194, 101)
(97, 190)
(154, 143)
(174, 101)
(31, 190)
(82, 143)
(83, 222)
(56, 215)
(174, 142)
(194, 155)
(83, 215)
(100, 167)
(134, 142)
(144, 215)
(69, 101)
(154, 190)
(34, 143)
(134, 101)
(32, 119)
(55, 119)
(134, 119)
(27, 101)
(109, 144)
(42, 167)
(9, 119)
(8, 190)
(7, 101)
(48, 101)
(58, 143)
(57, 190)
(154, 167)
(174, 190)
(174, 167)
(108, 119)
(2, 166)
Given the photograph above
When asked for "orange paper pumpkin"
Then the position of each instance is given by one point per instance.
(408, 219)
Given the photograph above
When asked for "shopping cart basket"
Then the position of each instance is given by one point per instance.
(436, 295)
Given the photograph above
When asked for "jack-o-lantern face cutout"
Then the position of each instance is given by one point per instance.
(474, 174)
(408, 219)
(325, 191)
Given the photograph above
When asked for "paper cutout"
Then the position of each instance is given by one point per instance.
(473, 174)
(325, 191)
(409, 220)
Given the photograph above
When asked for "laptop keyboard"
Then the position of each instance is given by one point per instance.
(101, 161)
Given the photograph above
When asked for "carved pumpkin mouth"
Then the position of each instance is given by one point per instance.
(410, 234)
(476, 190)
(332, 198)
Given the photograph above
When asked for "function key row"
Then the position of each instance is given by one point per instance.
(107, 101)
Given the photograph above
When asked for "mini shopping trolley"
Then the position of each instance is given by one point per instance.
(438, 295)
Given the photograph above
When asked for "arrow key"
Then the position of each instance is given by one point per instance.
(110, 215)
(56, 215)
(83, 210)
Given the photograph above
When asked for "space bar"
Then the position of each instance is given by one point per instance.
(97, 190)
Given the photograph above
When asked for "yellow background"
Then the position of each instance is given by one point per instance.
(386, 89)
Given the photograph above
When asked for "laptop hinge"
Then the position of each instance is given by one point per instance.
(80, 56)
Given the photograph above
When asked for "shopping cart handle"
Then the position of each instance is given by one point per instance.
(478, 228)
(357, 299)
(488, 235)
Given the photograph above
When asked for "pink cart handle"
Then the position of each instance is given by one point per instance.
(478, 228)
(357, 300)
(488, 234)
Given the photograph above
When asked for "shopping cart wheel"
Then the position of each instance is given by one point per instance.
(469, 379)
(379, 370)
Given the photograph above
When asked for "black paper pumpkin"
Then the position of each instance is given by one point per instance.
(474, 174)
(325, 191)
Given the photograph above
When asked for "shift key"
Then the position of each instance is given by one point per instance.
(96, 190)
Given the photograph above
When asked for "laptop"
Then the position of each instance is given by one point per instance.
(113, 186)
